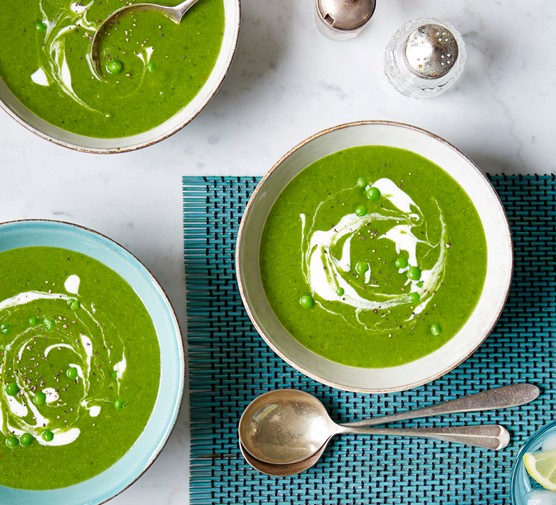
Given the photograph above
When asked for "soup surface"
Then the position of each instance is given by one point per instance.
(151, 67)
(80, 367)
(373, 257)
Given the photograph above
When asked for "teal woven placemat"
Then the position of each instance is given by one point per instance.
(229, 364)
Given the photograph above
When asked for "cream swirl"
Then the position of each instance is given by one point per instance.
(59, 19)
(55, 363)
(328, 259)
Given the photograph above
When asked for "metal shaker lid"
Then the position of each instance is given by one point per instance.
(346, 15)
(431, 51)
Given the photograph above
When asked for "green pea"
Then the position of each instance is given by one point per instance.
(119, 404)
(114, 66)
(75, 304)
(40, 26)
(414, 297)
(151, 67)
(401, 262)
(361, 182)
(373, 194)
(33, 320)
(39, 399)
(361, 267)
(12, 442)
(26, 439)
(47, 436)
(340, 291)
(360, 210)
(420, 284)
(71, 373)
(435, 329)
(414, 273)
(307, 301)
(5, 329)
(114, 374)
(49, 323)
(12, 388)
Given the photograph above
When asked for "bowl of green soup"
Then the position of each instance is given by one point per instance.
(154, 76)
(374, 257)
(92, 365)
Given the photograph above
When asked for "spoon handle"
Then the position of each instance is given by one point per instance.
(488, 436)
(183, 7)
(491, 399)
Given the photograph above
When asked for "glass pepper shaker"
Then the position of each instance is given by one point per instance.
(424, 58)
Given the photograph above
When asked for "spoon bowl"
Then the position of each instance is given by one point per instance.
(282, 470)
(284, 426)
(175, 13)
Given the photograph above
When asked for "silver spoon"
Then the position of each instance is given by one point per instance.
(281, 470)
(175, 13)
(289, 426)
(284, 470)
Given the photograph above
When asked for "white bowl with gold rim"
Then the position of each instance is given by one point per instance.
(34, 123)
(426, 368)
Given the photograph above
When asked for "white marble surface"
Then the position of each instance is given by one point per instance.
(286, 83)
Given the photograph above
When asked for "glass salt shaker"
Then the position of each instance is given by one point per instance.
(343, 19)
(424, 58)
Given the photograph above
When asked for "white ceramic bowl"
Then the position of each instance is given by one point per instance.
(57, 135)
(427, 368)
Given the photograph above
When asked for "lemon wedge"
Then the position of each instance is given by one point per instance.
(541, 466)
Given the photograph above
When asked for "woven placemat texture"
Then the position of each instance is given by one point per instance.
(229, 364)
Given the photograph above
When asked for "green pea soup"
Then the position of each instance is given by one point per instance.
(151, 67)
(373, 257)
(80, 367)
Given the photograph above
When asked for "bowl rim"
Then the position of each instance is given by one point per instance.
(242, 288)
(146, 143)
(180, 341)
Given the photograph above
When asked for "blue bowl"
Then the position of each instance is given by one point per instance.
(147, 447)
(521, 483)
